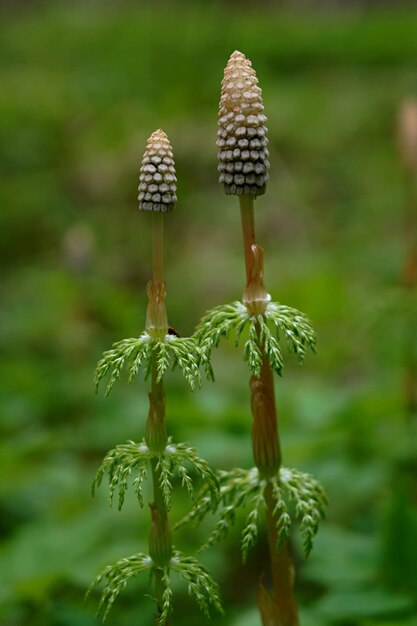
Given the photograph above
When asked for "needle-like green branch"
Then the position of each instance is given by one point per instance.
(264, 333)
(297, 497)
(199, 583)
(132, 460)
(136, 352)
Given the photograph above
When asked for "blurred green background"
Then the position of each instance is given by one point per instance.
(82, 85)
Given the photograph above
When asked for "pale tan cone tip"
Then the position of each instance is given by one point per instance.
(157, 187)
(242, 140)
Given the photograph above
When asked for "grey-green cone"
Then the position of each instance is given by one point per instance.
(157, 188)
(242, 140)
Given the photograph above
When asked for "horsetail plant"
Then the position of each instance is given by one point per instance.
(283, 493)
(155, 351)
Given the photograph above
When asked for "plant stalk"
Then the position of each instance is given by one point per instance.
(156, 314)
(281, 565)
(278, 608)
(160, 535)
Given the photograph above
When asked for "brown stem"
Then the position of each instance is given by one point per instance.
(156, 314)
(255, 296)
(155, 430)
(160, 536)
(283, 609)
(280, 609)
(277, 608)
(265, 435)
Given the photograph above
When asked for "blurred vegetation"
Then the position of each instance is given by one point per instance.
(82, 87)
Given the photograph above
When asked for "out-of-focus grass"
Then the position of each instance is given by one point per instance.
(82, 86)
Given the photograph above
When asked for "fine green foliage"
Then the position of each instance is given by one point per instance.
(134, 353)
(309, 499)
(245, 489)
(133, 460)
(116, 577)
(250, 531)
(237, 482)
(199, 583)
(166, 597)
(264, 333)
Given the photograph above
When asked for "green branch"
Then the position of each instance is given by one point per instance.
(199, 583)
(135, 353)
(116, 578)
(132, 461)
(297, 497)
(263, 333)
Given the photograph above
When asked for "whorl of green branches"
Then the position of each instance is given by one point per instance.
(116, 577)
(131, 461)
(199, 583)
(136, 352)
(297, 497)
(263, 333)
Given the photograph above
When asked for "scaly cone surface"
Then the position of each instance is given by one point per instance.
(242, 140)
(157, 188)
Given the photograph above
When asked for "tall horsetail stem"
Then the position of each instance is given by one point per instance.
(243, 166)
(154, 352)
(157, 193)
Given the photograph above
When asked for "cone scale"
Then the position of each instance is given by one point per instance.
(242, 140)
(157, 187)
